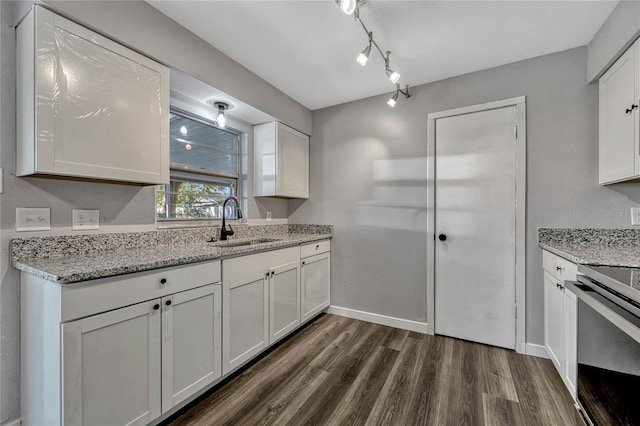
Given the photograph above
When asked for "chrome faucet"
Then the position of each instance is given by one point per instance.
(223, 232)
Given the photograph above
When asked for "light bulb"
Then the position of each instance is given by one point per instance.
(183, 131)
(348, 6)
(221, 120)
(187, 146)
(363, 57)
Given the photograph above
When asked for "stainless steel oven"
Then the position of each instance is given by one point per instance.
(608, 344)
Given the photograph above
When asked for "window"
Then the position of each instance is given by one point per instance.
(204, 170)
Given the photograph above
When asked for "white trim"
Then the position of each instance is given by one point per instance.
(520, 214)
(476, 108)
(15, 422)
(536, 350)
(404, 324)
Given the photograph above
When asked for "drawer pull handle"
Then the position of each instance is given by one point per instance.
(156, 307)
(168, 303)
(163, 281)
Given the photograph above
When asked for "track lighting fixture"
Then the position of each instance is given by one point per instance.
(353, 7)
(221, 118)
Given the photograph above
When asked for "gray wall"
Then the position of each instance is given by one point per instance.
(122, 207)
(380, 245)
(617, 33)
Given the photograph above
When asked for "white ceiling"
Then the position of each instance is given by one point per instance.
(307, 49)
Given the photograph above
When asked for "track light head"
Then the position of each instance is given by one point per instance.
(363, 57)
(347, 6)
(393, 100)
(394, 76)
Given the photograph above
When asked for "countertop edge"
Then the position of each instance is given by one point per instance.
(73, 278)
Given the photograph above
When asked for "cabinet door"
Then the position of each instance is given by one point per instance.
(245, 319)
(553, 321)
(315, 282)
(293, 163)
(191, 343)
(102, 109)
(284, 300)
(618, 137)
(571, 341)
(111, 367)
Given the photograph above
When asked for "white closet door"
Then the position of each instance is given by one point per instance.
(111, 367)
(475, 252)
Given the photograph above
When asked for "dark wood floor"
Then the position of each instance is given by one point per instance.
(339, 371)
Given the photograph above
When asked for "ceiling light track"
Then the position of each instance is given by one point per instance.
(353, 7)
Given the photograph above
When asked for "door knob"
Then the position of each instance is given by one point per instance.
(442, 237)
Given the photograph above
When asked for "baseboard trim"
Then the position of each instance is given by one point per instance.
(536, 350)
(418, 327)
(16, 422)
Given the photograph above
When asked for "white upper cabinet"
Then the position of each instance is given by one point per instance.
(88, 107)
(620, 119)
(281, 156)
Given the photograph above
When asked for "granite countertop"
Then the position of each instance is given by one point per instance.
(608, 247)
(74, 268)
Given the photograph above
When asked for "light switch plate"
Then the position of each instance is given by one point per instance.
(85, 219)
(635, 215)
(268, 216)
(33, 219)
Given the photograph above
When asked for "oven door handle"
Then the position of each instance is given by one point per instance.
(616, 319)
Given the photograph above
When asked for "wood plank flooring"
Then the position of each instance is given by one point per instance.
(339, 371)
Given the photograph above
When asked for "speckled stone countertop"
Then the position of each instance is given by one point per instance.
(610, 247)
(64, 264)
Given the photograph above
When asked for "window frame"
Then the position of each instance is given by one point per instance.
(206, 175)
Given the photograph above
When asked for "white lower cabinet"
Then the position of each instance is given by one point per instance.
(315, 280)
(111, 367)
(121, 350)
(284, 300)
(245, 319)
(131, 349)
(553, 320)
(191, 343)
(561, 318)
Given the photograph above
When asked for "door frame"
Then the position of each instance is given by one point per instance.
(520, 209)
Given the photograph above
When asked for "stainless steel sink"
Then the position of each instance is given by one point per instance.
(232, 243)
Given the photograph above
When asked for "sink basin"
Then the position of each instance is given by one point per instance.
(232, 243)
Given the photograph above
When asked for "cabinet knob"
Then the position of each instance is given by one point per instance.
(442, 237)
(630, 110)
(163, 281)
(317, 246)
(273, 273)
(267, 274)
(156, 306)
(303, 263)
(559, 268)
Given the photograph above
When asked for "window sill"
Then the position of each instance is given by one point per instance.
(193, 223)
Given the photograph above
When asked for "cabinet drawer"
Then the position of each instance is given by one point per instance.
(559, 268)
(241, 266)
(92, 297)
(314, 248)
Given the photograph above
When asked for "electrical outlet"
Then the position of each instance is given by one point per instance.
(635, 215)
(268, 216)
(85, 219)
(33, 219)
